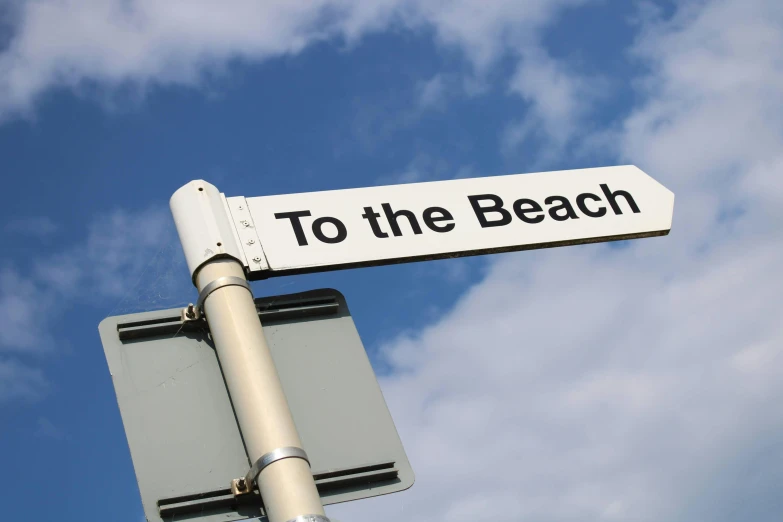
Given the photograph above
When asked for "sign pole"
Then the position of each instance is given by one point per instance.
(279, 463)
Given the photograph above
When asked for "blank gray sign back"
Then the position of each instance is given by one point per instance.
(183, 436)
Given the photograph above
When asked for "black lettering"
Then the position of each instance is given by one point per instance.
(532, 206)
(430, 218)
(392, 216)
(372, 216)
(580, 202)
(296, 224)
(475, 202)
(611, 196)
(342, 233)
(564, 205)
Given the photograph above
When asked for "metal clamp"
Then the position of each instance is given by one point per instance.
(245, 485)
(220, 282)
(310, 518)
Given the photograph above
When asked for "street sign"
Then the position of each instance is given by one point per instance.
(337, 418)
(183, 435)
(316, 231)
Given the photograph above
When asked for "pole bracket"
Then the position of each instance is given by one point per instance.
(220, 282)
(245, 485)
(192, 313)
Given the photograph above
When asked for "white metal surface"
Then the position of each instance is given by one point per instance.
(203, 225)
(336, 230)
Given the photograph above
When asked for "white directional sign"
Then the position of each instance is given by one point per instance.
(391, 224)
(317, 231)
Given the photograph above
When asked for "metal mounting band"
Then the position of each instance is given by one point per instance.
(220, 282)
(273, 456)
(310, 518)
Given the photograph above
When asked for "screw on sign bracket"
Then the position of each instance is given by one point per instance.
(239, 487)
(191, 313)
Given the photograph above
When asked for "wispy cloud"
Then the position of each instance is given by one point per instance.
(594, 383)
(560, 101)
(46, 429)
(435, 92)
(432, 92)
(120, 249)
(118, 43)
(128, 262)
(23, 302)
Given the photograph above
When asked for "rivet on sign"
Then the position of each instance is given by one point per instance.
(240, 207)
(245, 223)
(257, 259)
(251, 242)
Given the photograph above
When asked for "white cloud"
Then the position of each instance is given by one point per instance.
(639, 383)
(100, 46)
(432, 92)
(46, 429)
(713, 96)
(487, 30)
(22, 307)
(559, 102)
(140, 43)
(120, 248)
(128, 262)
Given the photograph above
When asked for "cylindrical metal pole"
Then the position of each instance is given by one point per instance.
(286, 486)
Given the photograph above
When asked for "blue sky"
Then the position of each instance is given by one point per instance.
(626, 382)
